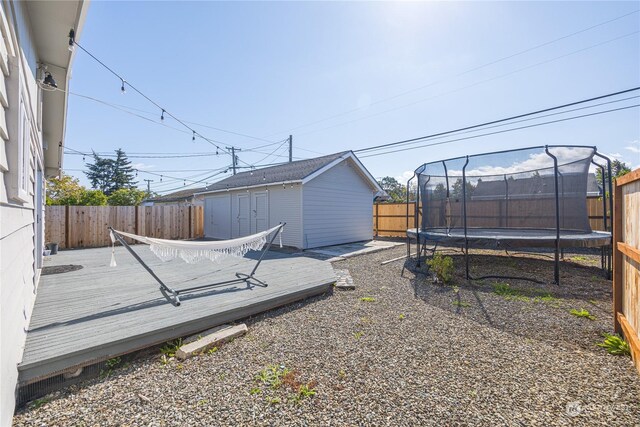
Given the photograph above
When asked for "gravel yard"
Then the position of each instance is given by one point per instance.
(399, 350)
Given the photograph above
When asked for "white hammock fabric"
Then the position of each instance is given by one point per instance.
(193, 252)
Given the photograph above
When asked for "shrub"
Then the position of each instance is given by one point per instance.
(442, 267)
(614, 344)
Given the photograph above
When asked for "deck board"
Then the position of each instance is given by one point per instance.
(98, 312)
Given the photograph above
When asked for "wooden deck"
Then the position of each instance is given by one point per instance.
(98, 312)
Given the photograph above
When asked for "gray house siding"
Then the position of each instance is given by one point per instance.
(337, 207)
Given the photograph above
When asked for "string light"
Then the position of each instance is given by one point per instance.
(72, 36)
(162, 115)
(122, 89)
(193, 137)
(160, 178)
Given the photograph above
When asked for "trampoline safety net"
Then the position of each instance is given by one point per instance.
(508, 190)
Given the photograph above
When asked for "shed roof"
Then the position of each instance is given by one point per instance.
(176, 196)
(287, 172)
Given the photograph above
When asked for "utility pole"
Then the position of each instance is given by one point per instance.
(148, 181)
(234, 158)
(290, 148)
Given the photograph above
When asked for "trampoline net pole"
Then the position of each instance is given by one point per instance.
(556, 267)
(464, 218)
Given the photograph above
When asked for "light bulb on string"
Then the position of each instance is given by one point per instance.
(83, 158)
(72, 35)
(162, 115)
(184, 183)
(193, 138)
(160, 178)
(122, 89)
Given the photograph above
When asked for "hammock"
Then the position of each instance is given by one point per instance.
(192, 252)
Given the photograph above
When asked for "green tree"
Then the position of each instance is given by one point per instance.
(101, 173)
(127, 197)
(93, 198)
(123, 172)
(395, 190)
(618, 169)
(65, 190)
(109, 175)
(456, 189)
(440, 191)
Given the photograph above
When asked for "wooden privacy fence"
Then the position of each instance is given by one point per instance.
(86, 226)
(626, 260)
(389, 219)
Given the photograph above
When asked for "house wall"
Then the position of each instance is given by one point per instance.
(337, 207)
(284, 205)
(19, 220)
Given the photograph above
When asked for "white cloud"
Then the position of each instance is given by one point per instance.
(634, 146)
(406, 175)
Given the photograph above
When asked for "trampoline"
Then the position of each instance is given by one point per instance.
(533, 197)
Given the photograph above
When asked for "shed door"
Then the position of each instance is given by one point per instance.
(260, 212)
(217, 221)
(242, 225)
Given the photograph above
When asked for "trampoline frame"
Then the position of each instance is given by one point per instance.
(607, 198)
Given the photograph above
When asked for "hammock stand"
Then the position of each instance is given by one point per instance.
(173, 295)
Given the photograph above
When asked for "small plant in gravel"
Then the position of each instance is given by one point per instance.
(202, 402)
(368, 299)
(358, 335)
(507, 292)
(272, 375)
(614, 344)
(109, 366)
(402, 317)
(442, 267)
(307, 390)
(460, 304)
(582, 313)
(40, 402)
(273, 400)
(212, 350)
(171, 347)
(255, 390)
(342, 374)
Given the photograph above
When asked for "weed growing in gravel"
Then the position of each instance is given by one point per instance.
(306, 390)
(109, 366)
(442, 267)
(255, 390)
(368, 299)
(202, 402)
(578, 258)
(342, 373)
(358, 335)
(40, 402)
(171, 347)
(614, 344)
(582, 313)
(273, 400)
(507, 292)
(212, 350)
(460, 304)
(272, 375)
(402, 317)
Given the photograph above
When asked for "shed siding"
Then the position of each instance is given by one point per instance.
(337, 207)
(284, 206)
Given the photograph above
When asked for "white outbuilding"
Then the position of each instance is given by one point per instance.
(324, 201)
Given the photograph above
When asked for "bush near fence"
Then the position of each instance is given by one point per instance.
(86, 226)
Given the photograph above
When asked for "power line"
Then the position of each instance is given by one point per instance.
(487, 64)
(73, 42)
(501, 131)
(544, 110)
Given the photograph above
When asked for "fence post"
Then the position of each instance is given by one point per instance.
(190, 226)
(66, 227)
(377, 218)
(617, 256)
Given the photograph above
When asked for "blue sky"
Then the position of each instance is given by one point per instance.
(268, 70)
